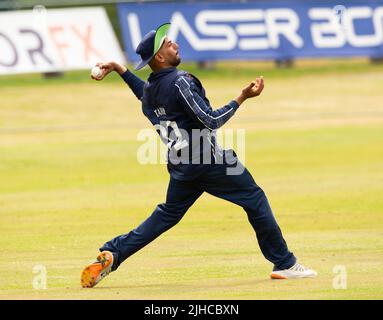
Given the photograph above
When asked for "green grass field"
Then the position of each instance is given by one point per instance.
(70, 180)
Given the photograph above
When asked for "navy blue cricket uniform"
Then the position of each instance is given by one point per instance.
(175, 103)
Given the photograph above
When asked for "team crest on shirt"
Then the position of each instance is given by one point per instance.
(160, 112)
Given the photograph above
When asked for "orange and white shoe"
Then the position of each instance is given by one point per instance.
(98, 270)
(295, 272)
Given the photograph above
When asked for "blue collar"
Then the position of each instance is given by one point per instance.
(159, 74)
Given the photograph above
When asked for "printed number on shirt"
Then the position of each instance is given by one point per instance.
(178, 143)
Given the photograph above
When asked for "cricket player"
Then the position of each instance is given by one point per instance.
(174, 101)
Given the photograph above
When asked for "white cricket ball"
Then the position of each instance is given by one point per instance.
(96, 72)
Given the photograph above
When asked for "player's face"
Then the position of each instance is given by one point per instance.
(169, 51)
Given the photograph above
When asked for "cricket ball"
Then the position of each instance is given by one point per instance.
(96, 72)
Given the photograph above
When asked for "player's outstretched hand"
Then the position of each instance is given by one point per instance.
(254, 89)
(108, 67)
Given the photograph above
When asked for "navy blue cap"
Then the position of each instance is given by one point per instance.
(150, 44)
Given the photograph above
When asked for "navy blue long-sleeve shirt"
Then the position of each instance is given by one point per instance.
(175, 103)
(135, 83)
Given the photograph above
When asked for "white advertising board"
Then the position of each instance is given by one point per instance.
(47, 40)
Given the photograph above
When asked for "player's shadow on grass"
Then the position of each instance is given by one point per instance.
(188, 285)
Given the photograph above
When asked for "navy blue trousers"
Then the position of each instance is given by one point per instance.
(239, 189)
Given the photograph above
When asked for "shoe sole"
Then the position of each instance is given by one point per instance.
(90, 275)
(277, 277)
(280, 277)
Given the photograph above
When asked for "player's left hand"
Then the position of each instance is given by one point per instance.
(254, 89)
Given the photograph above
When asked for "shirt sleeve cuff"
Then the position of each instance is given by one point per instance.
(234, 104)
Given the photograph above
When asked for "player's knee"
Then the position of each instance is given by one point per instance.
(258, 193)
(171, 211)
(257, 202)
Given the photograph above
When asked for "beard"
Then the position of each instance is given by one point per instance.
(176, 61)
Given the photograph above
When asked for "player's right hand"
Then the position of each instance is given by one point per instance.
(106, 69)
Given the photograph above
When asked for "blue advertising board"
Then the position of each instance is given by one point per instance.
(260, 30)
